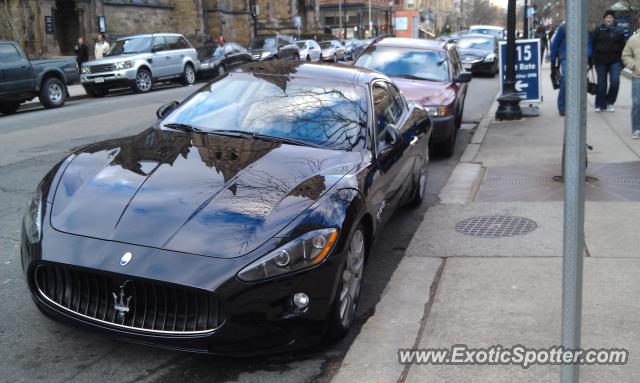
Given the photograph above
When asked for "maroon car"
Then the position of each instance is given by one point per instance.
(428, 72)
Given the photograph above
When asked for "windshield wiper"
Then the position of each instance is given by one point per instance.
(183, 127)
(411, 77)
(291, 141)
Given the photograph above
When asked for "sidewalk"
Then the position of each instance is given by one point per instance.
(453, 288)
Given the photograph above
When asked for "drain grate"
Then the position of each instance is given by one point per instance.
(496, 226)
(499, 183)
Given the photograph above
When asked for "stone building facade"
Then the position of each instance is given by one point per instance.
(51, 27)
(356, 16)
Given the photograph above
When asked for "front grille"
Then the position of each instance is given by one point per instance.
(101, 68)
(152, 307)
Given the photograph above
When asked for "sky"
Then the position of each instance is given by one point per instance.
(502, 3)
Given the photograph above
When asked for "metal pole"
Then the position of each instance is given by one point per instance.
(340, 15)
(370, 22)
(525, 20)
(574, 173)
(509, 101)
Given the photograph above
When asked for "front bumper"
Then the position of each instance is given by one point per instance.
(480, 67)
(113, 79)
(258, 317)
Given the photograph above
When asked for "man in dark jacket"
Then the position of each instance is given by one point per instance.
(82, 52)
(608, 43)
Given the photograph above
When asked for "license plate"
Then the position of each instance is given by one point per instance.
(99, 79)
(467, 66)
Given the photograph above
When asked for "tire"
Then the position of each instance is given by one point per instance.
(143, 82)
(308, 58)
(53, 93)
(335, 59)
(188, 75)
(97, 93)
(11, 107)
(448, 147)
(420, 188)
(345, 305)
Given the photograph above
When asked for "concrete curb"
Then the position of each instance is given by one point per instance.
(472, 149)
(397, 323)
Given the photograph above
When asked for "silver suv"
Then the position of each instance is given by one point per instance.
(139, 61)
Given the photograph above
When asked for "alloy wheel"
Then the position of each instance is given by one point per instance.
(190, 75)
(143, 81)
(352, 278)
(55, 93)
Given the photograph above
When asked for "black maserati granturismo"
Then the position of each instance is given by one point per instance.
(240, 223)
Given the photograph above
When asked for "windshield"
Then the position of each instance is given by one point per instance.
(262, 43)
(302, 44)
(131, 45)
(406, 62)
(483, 44)
(325, 44)
(330, 116)
(208, 51)
(487, 31)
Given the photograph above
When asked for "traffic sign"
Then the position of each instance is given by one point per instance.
(527, 67)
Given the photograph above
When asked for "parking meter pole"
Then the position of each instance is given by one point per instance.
(525, 20)
(509, 101)
(574, 177)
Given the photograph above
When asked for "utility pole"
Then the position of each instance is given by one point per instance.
(340, 16)
(461, 23)
(509, 101)
(370, 22)
(525, 20)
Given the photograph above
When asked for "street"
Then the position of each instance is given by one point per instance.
(38, 349)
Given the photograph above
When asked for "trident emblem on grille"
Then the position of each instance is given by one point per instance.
(121, 301)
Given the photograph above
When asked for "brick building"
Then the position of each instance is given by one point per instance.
(51, 27)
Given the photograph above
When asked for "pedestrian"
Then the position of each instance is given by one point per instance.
(541, 33)
(631, 59)
(101, 47)
(558, 54)
(82, 52)
(608, 43)
(221, 41)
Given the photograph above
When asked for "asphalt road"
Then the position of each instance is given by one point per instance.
(35, 348)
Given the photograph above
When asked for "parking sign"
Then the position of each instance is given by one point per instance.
(527, 68)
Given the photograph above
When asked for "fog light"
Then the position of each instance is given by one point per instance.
(301, 300)
(282, 259)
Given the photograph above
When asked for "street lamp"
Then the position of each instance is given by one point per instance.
(509, 101)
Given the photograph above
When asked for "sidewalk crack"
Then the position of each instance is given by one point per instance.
(433, 289)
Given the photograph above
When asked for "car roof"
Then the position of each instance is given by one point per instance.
(486, 27)
(477, 36)
(337, 73)
(150, 35)
(404, 42)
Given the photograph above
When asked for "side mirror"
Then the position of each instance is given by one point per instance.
(156, 48)
(393, 134)
(165, 109)
(463, 77)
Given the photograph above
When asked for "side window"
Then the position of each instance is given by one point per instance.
(157, 44)
(385, 108)
(183, 43)
(239, 49)
(172, 42)
(282, 42)
(399, 104)
(8, 53)
(455, 61)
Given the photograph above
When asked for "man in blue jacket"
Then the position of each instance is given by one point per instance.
(559, 53)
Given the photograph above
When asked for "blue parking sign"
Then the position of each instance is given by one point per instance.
(527, 67)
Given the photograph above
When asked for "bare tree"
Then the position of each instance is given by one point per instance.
(16, 20)
(481, 12)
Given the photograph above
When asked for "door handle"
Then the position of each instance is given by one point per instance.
(167, 57)
(413, 141)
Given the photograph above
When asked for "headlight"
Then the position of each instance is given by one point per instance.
(265, 55)
(33, 218)
(85, 69)
(306, 251)
(490, 58)
(122, 65)
(437, 111)
(204, 65)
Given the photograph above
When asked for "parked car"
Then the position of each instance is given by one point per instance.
(453, 37)
(139, 61)
(332, 51)
(309, 50)
(498, 32)
(479, 54)
(22, 79)
(358, 49)
(216, 60)
(240, 223)
(265, 48)
(349, 46)
(428, 72)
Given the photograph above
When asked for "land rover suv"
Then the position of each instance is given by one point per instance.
(137, 62)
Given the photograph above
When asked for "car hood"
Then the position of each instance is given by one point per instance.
(118, 58)
(428, 93)
(473, 53)
(194, 193)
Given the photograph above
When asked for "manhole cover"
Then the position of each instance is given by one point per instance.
(496, 226)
